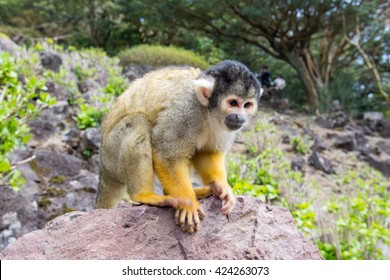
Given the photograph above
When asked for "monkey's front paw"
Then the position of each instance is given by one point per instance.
(225, 193)
(188, 218)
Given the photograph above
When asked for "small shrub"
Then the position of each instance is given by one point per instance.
(300, 146)
(88, 116)
(160, 56)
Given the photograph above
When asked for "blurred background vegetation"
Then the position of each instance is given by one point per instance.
(324, 49)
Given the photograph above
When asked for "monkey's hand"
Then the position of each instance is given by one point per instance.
(188, 216)
(225, 193)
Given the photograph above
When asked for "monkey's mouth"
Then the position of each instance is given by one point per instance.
(233, 126)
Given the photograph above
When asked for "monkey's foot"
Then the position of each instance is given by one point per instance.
(188, 218)
(225, 193)
(203, 192)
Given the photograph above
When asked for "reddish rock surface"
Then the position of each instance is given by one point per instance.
(253, 231)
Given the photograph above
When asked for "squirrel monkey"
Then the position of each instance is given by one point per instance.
(170, 120)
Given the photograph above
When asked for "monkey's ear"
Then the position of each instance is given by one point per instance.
(204, 89)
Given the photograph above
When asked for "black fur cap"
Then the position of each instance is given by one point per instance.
(226, 74)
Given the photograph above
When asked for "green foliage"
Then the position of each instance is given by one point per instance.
(360, 217)
(327, 251)
(300, 145)
(159, 56)
(20, 103)
(88, 116)
(116, 83)
(255, 180)
(206, 47)
(304, 217)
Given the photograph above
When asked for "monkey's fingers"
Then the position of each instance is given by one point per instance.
(182, 220)
(200, 213)
(177, 216)
(228, 204)
(223, 194)
(190, 222)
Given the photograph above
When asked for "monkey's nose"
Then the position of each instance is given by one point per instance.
(235, 121)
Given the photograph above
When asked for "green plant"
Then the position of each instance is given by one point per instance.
(300, 146)
(20, 103)
(250, 176)
(360, 218)
(304, 217)
(116, 84)
(82, 73)
(88, 116)
(159, 56)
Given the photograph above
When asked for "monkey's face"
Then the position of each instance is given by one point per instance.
(236, 111)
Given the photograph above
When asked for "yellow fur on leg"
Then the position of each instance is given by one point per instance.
(175, 179)
(210, 166)
(203, 192)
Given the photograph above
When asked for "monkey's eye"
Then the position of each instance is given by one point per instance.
(248, 105)
(233, 103)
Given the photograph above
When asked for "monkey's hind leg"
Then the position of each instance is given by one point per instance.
(136, 159)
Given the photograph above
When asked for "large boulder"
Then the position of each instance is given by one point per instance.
(252, 231)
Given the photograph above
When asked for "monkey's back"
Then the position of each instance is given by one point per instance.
(154, 93)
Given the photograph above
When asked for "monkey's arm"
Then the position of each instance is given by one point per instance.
(175, 178)
(211, 167)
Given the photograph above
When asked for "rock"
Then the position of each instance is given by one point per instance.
(297, 163)
(321, 163)
(372, 119)
(7, 45)
(52, 164)
(323, 122)
(72, 137)
(346, 142)
(339, 119)
(82, 193)
(336, 119)
(94, 163)
(383, 146)
(92, 95)
(384, 128)
(381, 165)
(50, 61)
(18, 212)
(88, 85)
(319, 145)
(133, 72)
(362, 143)
(47, 124)
(90, 140)
(254, 231)
(288, 132)
(57, 91)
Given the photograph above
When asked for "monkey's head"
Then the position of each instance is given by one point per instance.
(230, 91)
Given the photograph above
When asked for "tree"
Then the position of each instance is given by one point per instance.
(372, 37)
(306, 34)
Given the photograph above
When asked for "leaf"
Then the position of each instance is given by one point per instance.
(4, 164)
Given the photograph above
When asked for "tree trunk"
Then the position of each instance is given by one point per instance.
(299, 64)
